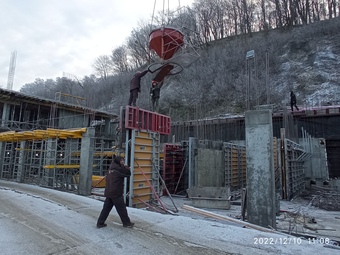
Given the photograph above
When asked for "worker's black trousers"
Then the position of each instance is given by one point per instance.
(120, 207)
(133, 97)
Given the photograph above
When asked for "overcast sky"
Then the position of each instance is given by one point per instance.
(52, 37)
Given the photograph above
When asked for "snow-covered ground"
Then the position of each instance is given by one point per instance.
(36, 220)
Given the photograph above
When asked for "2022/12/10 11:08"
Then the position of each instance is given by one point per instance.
(318, 240)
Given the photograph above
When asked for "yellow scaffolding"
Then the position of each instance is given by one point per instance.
(38, 134)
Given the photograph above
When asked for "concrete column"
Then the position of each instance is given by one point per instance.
(86, 162)
(107, 128)
(5, 115)
(21, 163)
(193, 146)
(2, 149)
(260, 168)
(50, 159)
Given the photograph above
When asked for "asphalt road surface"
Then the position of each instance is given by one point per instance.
(37, 220)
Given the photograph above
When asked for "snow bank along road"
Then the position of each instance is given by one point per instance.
(36, 220)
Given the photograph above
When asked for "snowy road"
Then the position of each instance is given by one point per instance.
(36, 220)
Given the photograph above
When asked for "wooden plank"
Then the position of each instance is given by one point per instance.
(226, 218)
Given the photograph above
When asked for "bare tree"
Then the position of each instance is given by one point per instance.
(138, 46)
(103, 66)
(186, 22)
(279, 18)
(234, 15)
(204, 14)
(40, 88)
(119, 59)
(246, 17)
(315, 9)
(303, 9)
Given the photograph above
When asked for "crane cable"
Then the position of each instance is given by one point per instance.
(163, 11)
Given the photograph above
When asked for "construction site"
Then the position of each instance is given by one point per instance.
(245, 166)
(266, 169)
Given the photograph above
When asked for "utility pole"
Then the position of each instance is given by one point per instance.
(250, 55)
(267, 76)
(11, 70)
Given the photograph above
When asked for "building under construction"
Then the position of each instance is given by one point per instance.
(67, 146)
(48, 142)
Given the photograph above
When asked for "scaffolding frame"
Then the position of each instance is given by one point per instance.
(292, 168)
(102, 158)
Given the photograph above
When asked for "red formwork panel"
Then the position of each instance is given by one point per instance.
(173, 172)
(162, 124)
(136, 118)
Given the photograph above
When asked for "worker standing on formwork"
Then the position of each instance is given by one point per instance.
(155, 93)
(135, 87)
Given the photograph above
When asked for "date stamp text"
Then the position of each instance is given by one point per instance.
(277, 240)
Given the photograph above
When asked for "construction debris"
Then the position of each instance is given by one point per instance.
(324, 198)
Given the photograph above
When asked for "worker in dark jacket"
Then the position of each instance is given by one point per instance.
(155, 93)
(135, 87)
(114, 190)
(293, 101)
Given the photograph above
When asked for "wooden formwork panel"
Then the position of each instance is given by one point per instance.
(235, 165)
(275, 154)
(142, 177)
(244, 165)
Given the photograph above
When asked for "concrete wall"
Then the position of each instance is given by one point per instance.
(68, 119)
(210, 168)
(316, 164)
(205, 163)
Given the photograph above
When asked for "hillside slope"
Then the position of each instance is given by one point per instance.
(304, 59)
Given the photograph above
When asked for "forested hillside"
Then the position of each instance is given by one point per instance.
(296, 46)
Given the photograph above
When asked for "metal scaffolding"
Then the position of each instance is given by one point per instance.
(292, 168)
(50, 158)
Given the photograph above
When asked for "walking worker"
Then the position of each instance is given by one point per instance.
(135, 87)
(293, 101)
(155, 93)
(114, 190)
